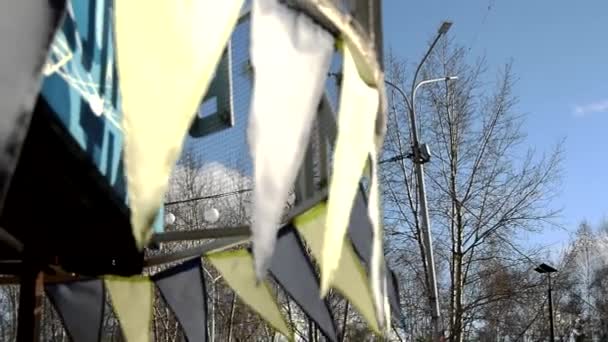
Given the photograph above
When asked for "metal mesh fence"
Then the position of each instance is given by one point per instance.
(214, 173)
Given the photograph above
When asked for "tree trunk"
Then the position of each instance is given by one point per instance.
(230, 323)
(345, 322)
(458, 283)
(310, 334)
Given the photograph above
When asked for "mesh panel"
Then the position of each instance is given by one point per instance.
(215, 171)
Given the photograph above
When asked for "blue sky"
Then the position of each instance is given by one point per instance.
(560, 56)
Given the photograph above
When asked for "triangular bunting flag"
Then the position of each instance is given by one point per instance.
(295, 273)
(393, 295)
(355, 147)
(236, 267)
(291, 56)
(166, 56)
(360, 228)
(26, 32)
(132, 299)
(350, 277)
(378, 276)
(361, 234)
(183, 288)
(80, 305)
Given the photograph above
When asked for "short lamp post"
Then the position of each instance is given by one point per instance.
(546, 269)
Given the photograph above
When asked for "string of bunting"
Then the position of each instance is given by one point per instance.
(283, 41)
(182, 287)
(164, 71)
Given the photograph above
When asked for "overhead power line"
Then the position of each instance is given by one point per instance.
(224, 194)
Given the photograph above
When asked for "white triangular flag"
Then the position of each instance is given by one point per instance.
(291, 56)
(167, 51)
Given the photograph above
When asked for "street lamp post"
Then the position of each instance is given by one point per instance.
(421, 155)
(546, 269)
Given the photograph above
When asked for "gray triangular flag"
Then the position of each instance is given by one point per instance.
(295, 273)
(183, 289)
(360, 233)
(80, 306)
(26, 32)
(283, 42)
(393, 295)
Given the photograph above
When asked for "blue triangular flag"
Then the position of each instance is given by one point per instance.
(80, 306)
(360, 232)
(295, 273)
(183, 289)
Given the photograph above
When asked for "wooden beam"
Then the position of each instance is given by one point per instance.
(30, 304)
(12, 267)
(9, 240)
(48, 279)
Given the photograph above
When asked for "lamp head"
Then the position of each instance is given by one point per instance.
(544, 268)
(445, 27)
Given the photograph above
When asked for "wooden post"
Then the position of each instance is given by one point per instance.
(30, 304)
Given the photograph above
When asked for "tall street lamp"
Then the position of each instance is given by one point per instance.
(546, 269)
(421, 155)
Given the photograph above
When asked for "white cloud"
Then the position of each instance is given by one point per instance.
(590, 108)
(216, 186)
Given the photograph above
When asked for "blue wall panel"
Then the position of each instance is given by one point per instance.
(81, 86)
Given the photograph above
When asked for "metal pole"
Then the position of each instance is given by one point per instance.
(437, 332)
(426, 231)
(424, 213)
(550, 298)
(214, 303)
(443, 29)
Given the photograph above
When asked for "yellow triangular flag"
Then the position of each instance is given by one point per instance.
(355, 140)
(132, 299)
(167, 51)
(349, 278)
(236, 267)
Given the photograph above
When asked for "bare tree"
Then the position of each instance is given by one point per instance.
(9, 306)
(582, 286)
(484, 189)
